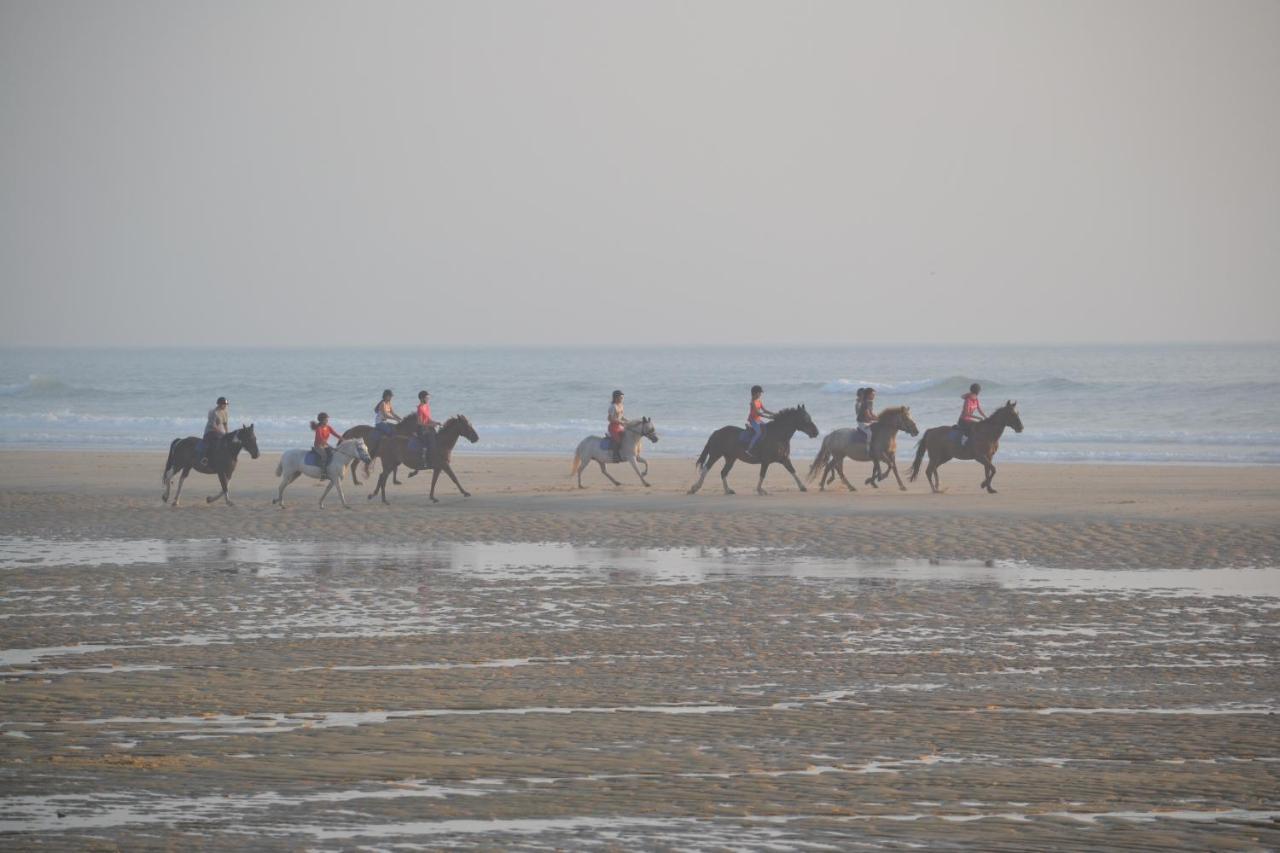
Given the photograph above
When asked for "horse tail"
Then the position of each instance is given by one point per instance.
(820, 461)
(280, 466)
(577, 463)
(706, 452)
(173, 445)
(920, 449)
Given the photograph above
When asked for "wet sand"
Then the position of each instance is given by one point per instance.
(303, 679)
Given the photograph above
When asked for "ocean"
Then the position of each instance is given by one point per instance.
(1147, 404)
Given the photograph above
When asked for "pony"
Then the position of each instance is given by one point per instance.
(984, 441)
(372, 436)
(773, 446)
(590, 450)
(394, 451)
(222, 461)
(842, 443)
(293, 464)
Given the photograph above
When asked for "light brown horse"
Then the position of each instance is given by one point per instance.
(372, 436)
(842, 443)
(394, 451)
(983, 443)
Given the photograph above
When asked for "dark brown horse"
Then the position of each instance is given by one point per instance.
(983, 443)
(394, 451)
(222, 461)
(773, 446)
(372, 436)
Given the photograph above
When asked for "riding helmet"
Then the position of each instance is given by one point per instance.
(323, 416)
(975, 388)
(422, 395)
(756, 389)
(617, 394)
(222, 401)
(387, 395)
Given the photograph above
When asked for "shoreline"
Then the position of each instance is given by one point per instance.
(1058, 514)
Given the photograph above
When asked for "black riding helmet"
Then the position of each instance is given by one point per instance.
(322, 417)
(387, 395)
(617, 394)
(975, 388)
(756, 389)
(222, 401)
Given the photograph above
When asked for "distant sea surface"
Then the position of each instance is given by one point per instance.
(1152, 404)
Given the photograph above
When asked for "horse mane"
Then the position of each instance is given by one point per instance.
(791, 410)
(893, 410)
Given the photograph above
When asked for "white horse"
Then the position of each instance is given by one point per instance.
(293, 465)
(589, 451)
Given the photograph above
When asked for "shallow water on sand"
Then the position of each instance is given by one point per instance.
(281, 694)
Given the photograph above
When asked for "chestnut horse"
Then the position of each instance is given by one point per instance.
(372, 436)
(842, 443)
(773, 446)
(983, 443)
(394, 451)
(222, 461)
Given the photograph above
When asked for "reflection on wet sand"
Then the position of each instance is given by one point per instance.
(549, 696)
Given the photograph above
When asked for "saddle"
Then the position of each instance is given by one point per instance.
(606, 443)
(385, 428)
(415, 444)
(312, 458)
(960, 451)
(201, 447)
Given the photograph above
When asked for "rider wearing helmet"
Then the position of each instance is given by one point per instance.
(384, 416)
(756, 416)
(970, 413)
(426, 426)
(215, 430)
(617, 425)
(323, 432)
(866, 413)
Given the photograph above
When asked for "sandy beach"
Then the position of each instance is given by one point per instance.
(1089, 516)
(539, 667)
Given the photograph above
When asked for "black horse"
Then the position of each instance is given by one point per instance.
(221, 461)
(773, 446)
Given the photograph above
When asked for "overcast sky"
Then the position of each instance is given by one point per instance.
(593, 172)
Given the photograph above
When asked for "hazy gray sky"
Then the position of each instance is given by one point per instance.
(591, 172)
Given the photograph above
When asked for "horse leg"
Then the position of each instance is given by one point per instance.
(990, 468)
(222, 480)
(337, 484)
(448, 469)
(791, 469)
(702, 475)
(724, 474)
(840, 470)
(893, 466)
(355, 479)
(381, 485)
(178, 496)
(435, 475)
(325, 493)
(764, 467)
(600, 462)
(285, 481)
(636, 468)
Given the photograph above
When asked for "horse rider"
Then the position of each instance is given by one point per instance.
(426, 427)
(617, 425)
(866, 413)
(756, 416)
(384, 416)
(970, 413)
(323, 432)
(215, 430)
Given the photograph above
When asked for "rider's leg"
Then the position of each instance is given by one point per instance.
(757, 430)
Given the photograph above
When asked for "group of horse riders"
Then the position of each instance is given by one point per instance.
(384, 421)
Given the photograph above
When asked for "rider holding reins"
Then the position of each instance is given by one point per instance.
(384, 416)
(970, 414)
(756, 415)
(215, 430)
(617, 425)
(426, 426)
(866, 413)
(324, 432)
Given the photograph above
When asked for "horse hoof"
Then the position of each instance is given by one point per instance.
(803, 489)
(466, 494)
(209, 500)
(646, 485)
(435, 500)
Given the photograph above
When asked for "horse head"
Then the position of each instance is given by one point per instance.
(805, 423)
(463, 426)
(1010, 412)
(250, 441)
(355, 447)
(905, 423)
(648, 431)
